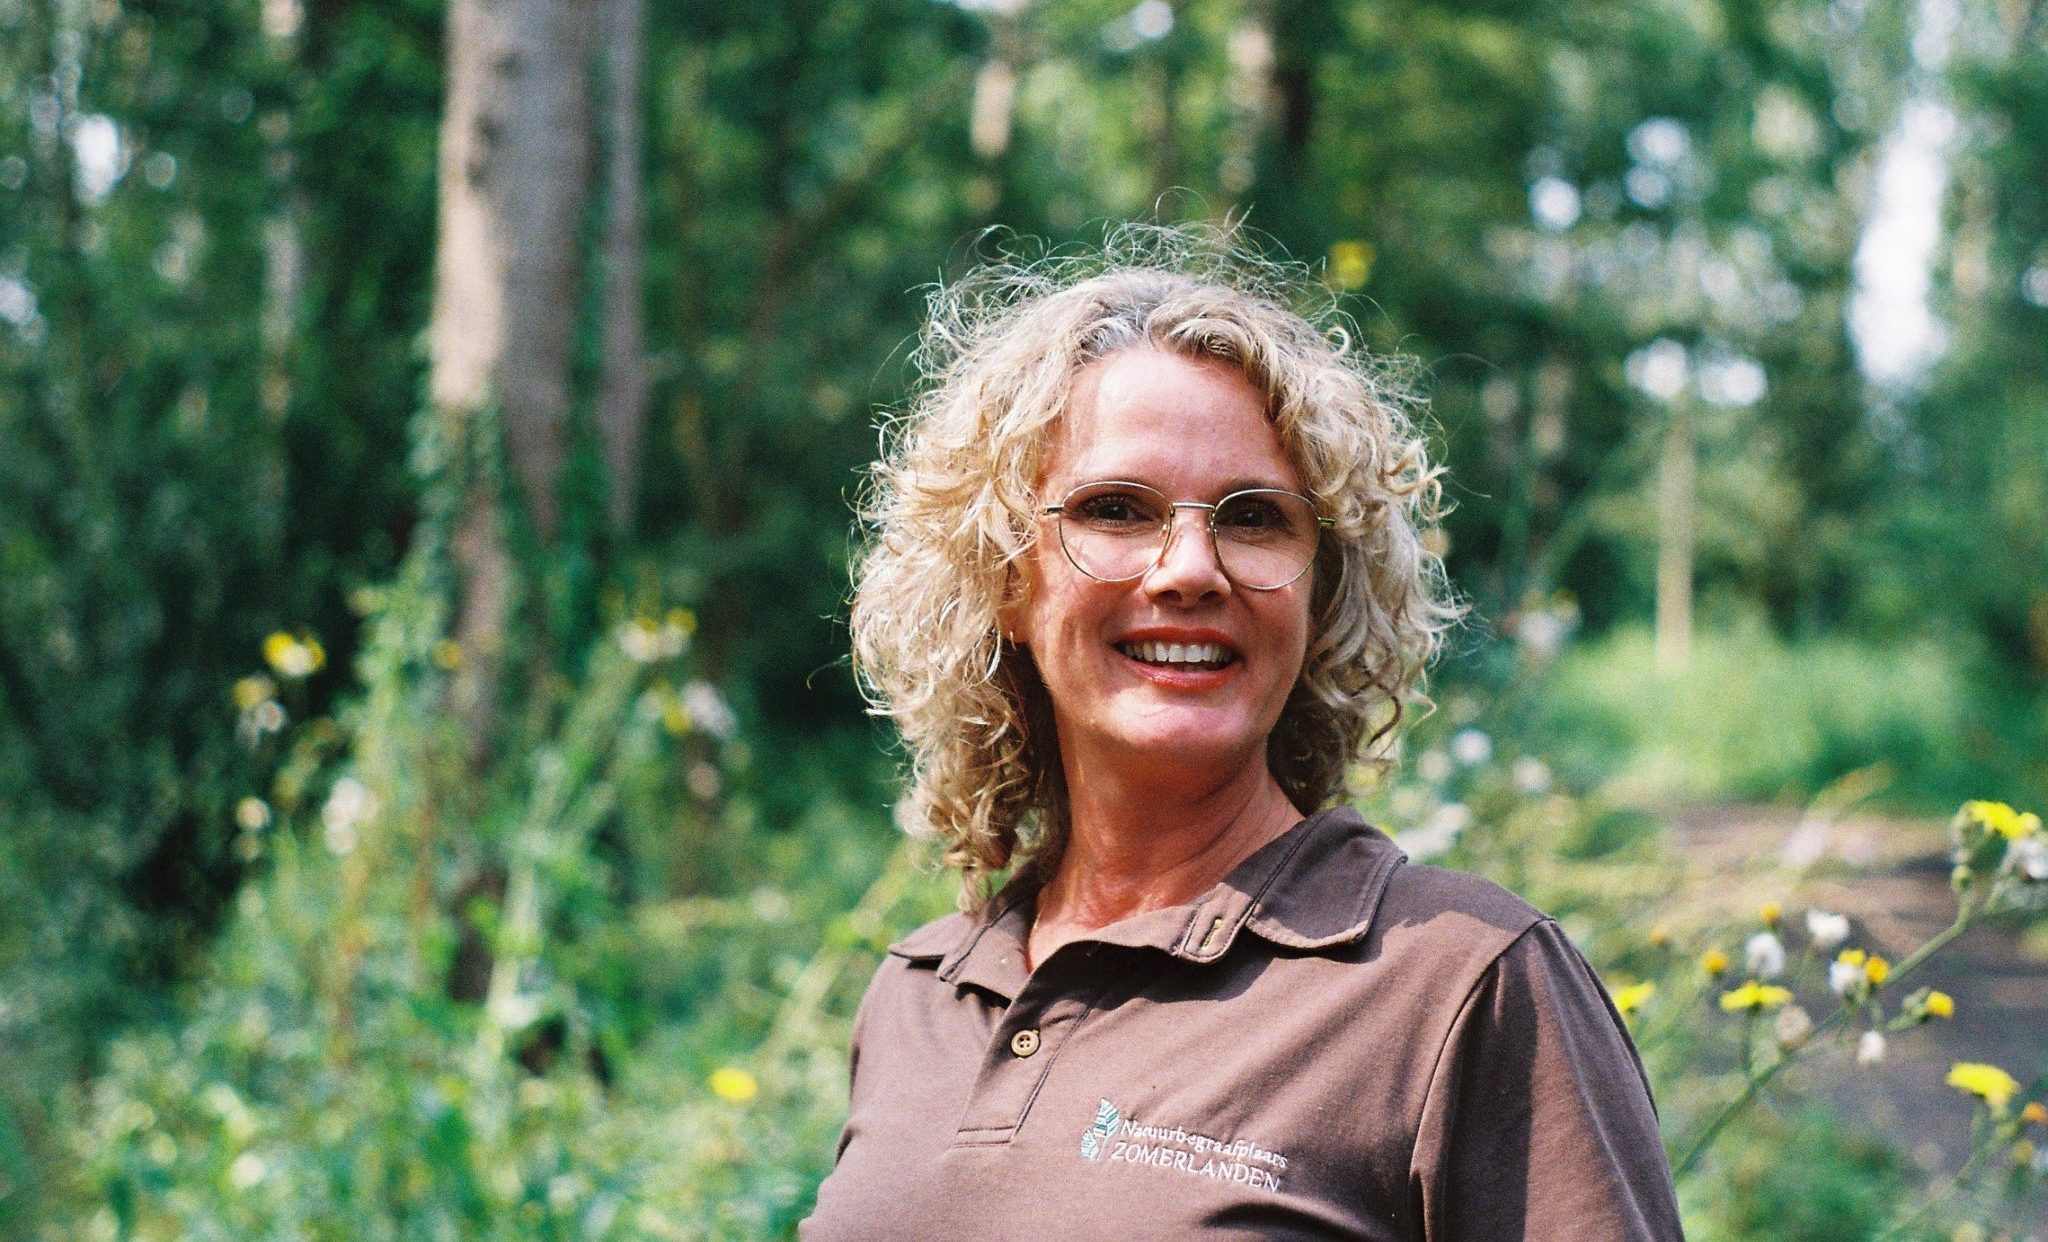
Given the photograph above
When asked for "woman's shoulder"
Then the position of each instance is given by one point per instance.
(1451, 916)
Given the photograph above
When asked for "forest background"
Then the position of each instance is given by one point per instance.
(434, 801)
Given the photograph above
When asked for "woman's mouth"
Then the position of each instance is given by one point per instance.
(1179, 655)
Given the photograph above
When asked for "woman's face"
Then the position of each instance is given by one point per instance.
(1195, 430)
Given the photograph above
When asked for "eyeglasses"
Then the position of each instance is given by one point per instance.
(1264, 538)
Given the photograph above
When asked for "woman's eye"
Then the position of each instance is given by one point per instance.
(1252, 515)
(1116, 509)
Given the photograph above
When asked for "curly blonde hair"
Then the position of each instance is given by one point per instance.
(950, 511)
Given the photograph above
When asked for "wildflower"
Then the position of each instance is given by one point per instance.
(260, 721)
(348, 804)
(1877, 970)
(1531, 775)
(1791, 1027)
(1870, 1048)
(1755, 996)
(1826, 929)
(1350, 263)
(1853, 971)
(2000, 818)
(1764, 954)
(1629, 999)
(253, 691)
(294, 656)
(1941, 1005)
(2028, 858)
(1471, 747)
(1771, 913)
(1714, 962)
(1987, 1082)
(708, 708)
(2034, 1113)
(734, 1085)
(1434, 766)
(645, 639)
(447, 655)
(1660, 936)
(252, 815)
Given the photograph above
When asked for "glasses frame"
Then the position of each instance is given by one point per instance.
(1166, 529)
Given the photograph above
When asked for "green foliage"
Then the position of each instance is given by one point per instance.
(1755, 716)
(1801, 1177)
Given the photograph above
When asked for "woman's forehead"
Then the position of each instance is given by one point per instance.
(1157, 417)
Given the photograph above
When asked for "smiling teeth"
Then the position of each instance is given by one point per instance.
(1205, 655)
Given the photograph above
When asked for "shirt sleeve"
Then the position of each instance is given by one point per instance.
(1538, 1123)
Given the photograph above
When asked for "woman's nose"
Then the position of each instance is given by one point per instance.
(1188, 569)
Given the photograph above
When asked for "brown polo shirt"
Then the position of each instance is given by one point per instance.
(1329, 1044)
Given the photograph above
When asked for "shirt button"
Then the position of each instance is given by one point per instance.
(1024, 1042)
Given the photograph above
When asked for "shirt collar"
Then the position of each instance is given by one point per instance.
(1315, 886)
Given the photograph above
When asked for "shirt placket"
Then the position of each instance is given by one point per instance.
(1025, 1045)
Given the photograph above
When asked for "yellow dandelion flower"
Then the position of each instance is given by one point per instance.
(1714, 962)
(447, 655)
(2034, 1113)
(1941, 1004)
(1771, 913)
(1877, 970)
(1851, 957)
(1350, 263)
(294, 656)
(1631, 998)
(253, 691)
(734, 1085)
(2002, 819)
(1987, 1082)
(1754, 996)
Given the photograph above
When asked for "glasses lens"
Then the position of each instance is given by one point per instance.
(1265, 539)
(1111, 530)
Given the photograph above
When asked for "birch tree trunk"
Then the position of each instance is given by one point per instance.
(513, 180)
(622, 381)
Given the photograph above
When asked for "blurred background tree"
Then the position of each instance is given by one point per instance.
(476, 340)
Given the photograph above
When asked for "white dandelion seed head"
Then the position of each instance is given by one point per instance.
(1870, 1048)
(1764, 954)
(1827, 929)
(1791, 1027)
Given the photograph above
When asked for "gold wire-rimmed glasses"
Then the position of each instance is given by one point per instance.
(1115, 530)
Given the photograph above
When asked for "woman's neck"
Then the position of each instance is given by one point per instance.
(1132, 848)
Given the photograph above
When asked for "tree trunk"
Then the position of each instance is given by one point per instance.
(622, 382)
(514, 173)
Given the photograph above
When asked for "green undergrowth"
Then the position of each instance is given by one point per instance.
(1757, 716)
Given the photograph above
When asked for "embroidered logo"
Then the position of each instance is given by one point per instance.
(1095, 1139)
(1180, 1150)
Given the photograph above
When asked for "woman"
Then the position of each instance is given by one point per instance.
(1146, 583)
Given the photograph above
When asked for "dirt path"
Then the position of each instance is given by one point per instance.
(1890, 876)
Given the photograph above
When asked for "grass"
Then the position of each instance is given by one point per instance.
(1756, 716)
